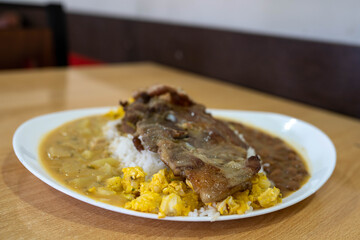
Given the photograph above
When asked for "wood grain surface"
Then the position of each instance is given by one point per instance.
(30, 209)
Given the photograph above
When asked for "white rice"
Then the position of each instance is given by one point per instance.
(123, 149)
(207, 211)
(250, 152)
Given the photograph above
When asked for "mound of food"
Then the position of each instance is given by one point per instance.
(160, 152)
(196, 146)
(205, 154)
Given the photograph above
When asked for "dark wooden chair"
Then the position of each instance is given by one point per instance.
(40, 41)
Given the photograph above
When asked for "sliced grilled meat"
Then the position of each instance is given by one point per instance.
(190, 141)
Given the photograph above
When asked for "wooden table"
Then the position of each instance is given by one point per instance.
(30, 209)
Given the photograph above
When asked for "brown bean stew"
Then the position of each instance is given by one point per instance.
(282, 164)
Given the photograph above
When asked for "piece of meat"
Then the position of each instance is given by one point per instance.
(204, 150)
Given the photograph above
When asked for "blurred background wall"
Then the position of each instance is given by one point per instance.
(303, 50)
(324, 20)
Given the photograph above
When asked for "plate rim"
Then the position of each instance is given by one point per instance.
(99, 110)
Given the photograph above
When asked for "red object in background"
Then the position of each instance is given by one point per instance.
(75, 59)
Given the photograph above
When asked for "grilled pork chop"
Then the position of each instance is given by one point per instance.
(190, 141)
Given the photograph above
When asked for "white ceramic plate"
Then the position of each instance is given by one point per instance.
(312, 143)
